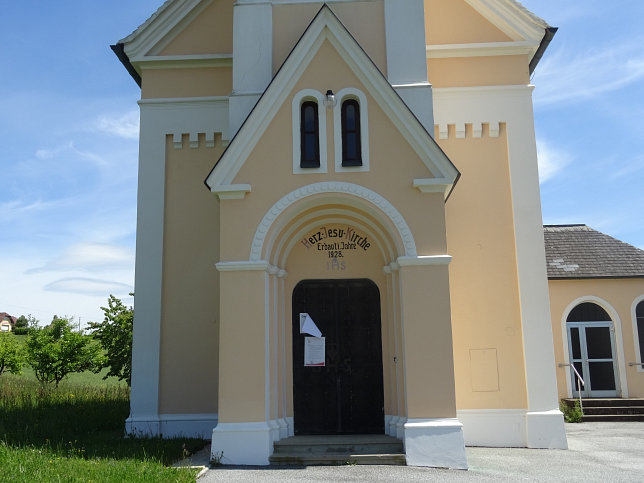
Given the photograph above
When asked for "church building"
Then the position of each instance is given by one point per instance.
(339, 226)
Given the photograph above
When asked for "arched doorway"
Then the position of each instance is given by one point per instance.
(345, 394)
(591, 346)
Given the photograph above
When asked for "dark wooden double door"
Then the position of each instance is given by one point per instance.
(346, 395)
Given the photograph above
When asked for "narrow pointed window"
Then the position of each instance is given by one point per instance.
(351, 145)
(309, 135)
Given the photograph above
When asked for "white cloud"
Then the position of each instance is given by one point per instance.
(59, 158)
(564, 77)
(628, 167)
(125, 126)
(88, 286)
(551, 160)
(17, 209)
(90, 257)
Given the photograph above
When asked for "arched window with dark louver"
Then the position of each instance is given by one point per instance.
(309, 135)
(351, 143)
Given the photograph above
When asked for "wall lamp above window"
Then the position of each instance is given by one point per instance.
(329, 99)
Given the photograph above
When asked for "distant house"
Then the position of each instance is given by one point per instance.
(7, 322)
(596, 286)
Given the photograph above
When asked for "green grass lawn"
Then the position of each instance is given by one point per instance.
(76, 433)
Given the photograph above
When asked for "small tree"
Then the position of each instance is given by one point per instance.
(24, 324)
(56, 350)
(115, 336)
(27, 322)
(11, 354)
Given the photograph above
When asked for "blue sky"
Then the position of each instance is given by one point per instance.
(69, 120)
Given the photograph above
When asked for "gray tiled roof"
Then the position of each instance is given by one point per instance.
(578, 251)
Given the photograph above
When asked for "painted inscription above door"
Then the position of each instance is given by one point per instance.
(337, 244)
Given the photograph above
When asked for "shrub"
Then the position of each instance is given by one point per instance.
(11, 354)
(115, 336)
(572, 414)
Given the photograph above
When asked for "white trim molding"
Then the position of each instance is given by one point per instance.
(442, 51)
(435, 442)
(341, 96)
(232, 191)
(433, 185)
(173, 425)
(423, 260)
(202, 61)
(298, 99)
(365, 194)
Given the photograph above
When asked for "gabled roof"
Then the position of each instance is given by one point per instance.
(327, 27)
(161, 27)
(529, 34)
(578, 251)
(10, 318)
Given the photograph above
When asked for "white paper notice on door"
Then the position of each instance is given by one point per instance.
(314, 351)
(307, 326)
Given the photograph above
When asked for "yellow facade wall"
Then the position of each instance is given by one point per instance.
(364, 20)
(617, 297)
(211, 32)
(486, 322)
(479, 71)
(441, 16)
(388, 175)
(184, 82)
(190, 320)
(393, 167)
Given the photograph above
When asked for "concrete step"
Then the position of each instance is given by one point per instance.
(331, 459)
(341, 444)
(614, 410)
(606, 402)
(339, 450)
(612, 418)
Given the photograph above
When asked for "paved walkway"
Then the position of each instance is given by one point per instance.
(598, 452)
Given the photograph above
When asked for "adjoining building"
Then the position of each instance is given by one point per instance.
(366, 255)
(7, 322)
(596, 286)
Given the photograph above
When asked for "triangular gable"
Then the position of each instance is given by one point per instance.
(327, 27)
(151, 37)
(512, 18)
(527, 33)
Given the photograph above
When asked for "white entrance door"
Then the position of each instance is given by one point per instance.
(592, 351)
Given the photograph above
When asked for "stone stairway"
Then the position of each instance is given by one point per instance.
(339, 450)
(610, 409)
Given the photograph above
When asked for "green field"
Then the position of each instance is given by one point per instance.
(74, 433)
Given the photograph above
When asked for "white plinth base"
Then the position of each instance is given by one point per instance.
(242, 443)
(545, 429)
(437, 443)
(172, 425)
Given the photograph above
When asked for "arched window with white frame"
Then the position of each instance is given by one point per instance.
(309, 132)
(351, 130)
(309, 135)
